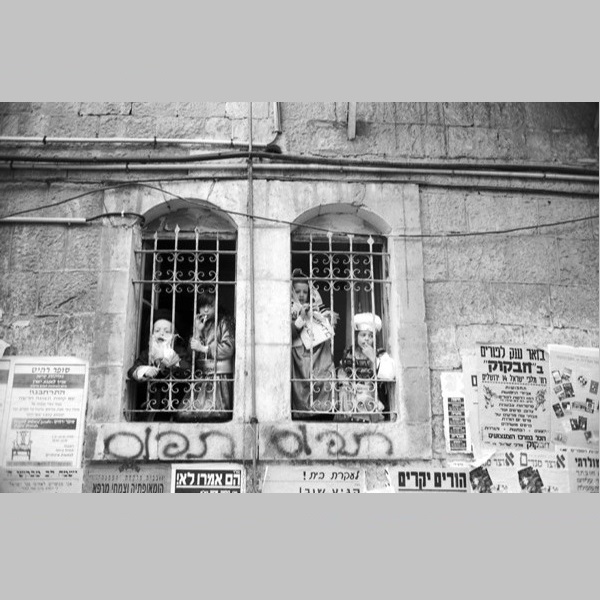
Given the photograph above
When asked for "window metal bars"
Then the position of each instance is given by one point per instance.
(354, 391)
(188, 392)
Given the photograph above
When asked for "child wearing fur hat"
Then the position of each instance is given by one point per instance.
(363, 396)
(160, 367)
(313, 372)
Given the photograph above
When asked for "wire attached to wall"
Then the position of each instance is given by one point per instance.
(142, 183)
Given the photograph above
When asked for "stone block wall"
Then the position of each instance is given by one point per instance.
(535, 287)
(67, 290)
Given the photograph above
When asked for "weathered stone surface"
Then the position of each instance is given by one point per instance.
(67, 126)
(468, 336)
(555, 210)
(114, 288)
(443, 352)
(180, 127)
(153, 109)
(517, 259)
(443, 212)
(415, 404)
(578, 260)
(109, 339)
(495, 212)
(458, 303)
(435, 386)
(83, 248)
(308, 111)
(522, 304)
(15, 197)
(574, 306)
(18, 293)
(542, 336)
(435, 259)
(33, 336)
(9, 125)
(507, 114)
(473, 142)
(127, 126)
(5, 246)
(69, 292)
(38, 248)
(200, 109)
(105, 108)
(272, 317)
(76, 336)
(458, 113)
(273, 359)
(439, 441)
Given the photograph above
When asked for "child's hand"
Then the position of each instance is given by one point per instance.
(195, 345)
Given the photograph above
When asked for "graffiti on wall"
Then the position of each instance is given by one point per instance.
(294, 443)
(168, 445)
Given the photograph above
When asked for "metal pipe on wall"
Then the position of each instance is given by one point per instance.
(250, 211)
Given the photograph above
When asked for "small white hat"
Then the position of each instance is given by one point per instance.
(366, 322)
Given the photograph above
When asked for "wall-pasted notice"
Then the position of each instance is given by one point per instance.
(313, 480)
(127, 478)
(40, 480)
(207, 478)
(513, 407)
(575, 400)
(44, 412)
(456, 419)
(429, 480)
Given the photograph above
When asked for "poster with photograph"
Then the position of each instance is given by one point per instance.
(574, 396)
(324, 479)
(456, 418)
(44, 412)
(208, 478)
(521, 471)
(513, 406)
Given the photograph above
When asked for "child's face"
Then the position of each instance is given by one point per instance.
(301, 290)
(364, 339)
(162, 330)
(206, 312)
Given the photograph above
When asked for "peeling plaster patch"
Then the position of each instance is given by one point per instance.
(18, 324)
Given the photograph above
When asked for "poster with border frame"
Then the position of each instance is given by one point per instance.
(44, 412)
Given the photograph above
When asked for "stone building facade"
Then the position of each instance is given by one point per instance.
(417, 176)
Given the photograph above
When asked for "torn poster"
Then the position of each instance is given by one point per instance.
(513, 408)
(574, 396)
(456, 418)
(583, 466)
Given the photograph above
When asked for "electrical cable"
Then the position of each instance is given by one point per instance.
(282, 221)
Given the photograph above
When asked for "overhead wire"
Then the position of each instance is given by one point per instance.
(141, 183)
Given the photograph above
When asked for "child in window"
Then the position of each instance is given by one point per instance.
(161, 365)
(213, 347)
(312, 331)
(363, 397)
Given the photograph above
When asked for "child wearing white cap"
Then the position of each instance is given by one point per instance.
(363, 394)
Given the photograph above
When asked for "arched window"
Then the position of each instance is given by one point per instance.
(340, 318)
(186, 342)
